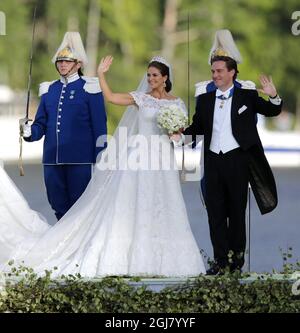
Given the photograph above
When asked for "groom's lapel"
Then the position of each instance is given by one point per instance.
(211, 109)
(236, 103)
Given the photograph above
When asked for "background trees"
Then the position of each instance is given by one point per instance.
(134, 30)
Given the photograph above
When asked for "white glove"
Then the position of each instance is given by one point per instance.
(26, 128)
(178, 139)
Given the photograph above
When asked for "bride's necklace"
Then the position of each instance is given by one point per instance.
(157, 95)
(161, 97)
(164, 97)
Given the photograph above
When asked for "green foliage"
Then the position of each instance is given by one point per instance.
(13, 53)
(133, 32)
(72, 294)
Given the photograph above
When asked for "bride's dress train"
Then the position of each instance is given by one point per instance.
(126, 222)
(18, 223)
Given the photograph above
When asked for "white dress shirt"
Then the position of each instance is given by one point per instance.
(276, 100)
(222, 139)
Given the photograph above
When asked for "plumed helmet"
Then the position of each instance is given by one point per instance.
(224, 45)
(71, 49)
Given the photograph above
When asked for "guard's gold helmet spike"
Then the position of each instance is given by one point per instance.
(220, 52)
(66, 54)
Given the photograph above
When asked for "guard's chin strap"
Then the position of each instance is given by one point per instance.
(66, 76)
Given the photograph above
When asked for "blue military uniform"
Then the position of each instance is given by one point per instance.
(71, 116)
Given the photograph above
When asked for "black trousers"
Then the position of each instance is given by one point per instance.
(226, 180)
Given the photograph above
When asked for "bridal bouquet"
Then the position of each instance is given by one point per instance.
(171, 118)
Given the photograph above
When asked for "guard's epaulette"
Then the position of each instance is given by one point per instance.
(44, 87)
(206, 86)
(201, 87)
(92, 85)
(247, 84)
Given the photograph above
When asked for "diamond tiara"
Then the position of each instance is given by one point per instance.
(161, 60)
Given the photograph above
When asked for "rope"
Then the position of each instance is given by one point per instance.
(182, 176)
(20, 163)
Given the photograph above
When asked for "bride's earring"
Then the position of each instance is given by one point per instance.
(165, 84)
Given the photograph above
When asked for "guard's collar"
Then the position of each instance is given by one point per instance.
(71, 78)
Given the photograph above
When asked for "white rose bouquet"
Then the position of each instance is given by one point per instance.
(172, 118)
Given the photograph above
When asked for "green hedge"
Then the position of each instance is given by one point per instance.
(227, 293)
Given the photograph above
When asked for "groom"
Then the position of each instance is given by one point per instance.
(233, 156)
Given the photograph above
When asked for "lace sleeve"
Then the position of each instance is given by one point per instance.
(182, 106)
(138, 97)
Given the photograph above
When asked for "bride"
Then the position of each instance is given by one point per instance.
(129, 221)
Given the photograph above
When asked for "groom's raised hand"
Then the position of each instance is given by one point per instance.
(268, 87)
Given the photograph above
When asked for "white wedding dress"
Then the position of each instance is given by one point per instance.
(127, 222)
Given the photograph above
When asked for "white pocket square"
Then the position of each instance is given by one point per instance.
(242, 109)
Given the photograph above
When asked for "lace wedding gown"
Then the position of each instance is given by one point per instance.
(132, 222)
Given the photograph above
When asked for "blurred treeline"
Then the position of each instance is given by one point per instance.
(135, 30)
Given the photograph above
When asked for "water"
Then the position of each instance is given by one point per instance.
(269, 233)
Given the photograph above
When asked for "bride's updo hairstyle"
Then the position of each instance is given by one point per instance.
(164, 70)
